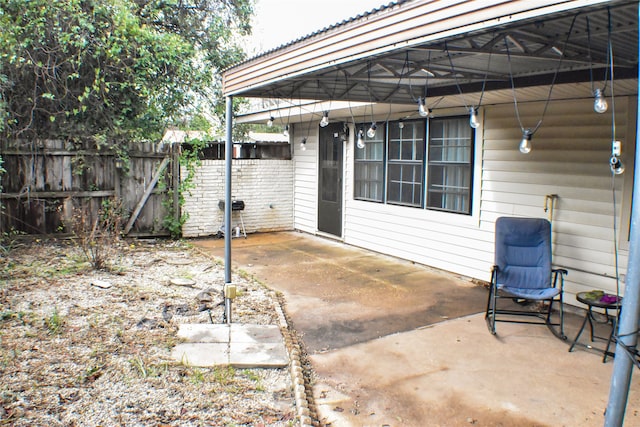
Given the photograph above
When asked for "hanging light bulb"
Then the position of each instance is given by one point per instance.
(473, 118)
(371, 133)
(360, 139)
(422, 107)
(286, 131)
(303, 144)
(400, 124)
(600, 103)
(270, 121)
(325, 119)
(525, 143)
(616, 165)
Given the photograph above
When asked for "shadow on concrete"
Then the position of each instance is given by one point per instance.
(337, 295)
(398, 344)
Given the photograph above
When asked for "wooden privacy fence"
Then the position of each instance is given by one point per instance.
(46, 181)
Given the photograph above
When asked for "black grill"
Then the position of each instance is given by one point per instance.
(236, 205)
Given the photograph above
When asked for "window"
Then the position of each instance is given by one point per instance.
(416, 165)
(449, 167)
(405, 165)
(369, 166)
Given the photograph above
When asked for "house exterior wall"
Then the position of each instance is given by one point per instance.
(265, 186)
(306, 177)
(569, 159)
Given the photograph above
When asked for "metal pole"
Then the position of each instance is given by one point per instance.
(630, 313)
(228, 156)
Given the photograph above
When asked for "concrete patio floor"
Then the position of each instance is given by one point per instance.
(392, 343)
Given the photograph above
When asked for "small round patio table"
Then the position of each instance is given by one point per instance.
(606, 302)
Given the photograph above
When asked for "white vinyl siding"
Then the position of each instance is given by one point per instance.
(439, 239)
(305, 214)
(570, 158)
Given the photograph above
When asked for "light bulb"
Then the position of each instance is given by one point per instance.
(270, 121)
(286, 131)
(371, 133)
(600, 103)
(616, 165)
(325, 119)
(303, 144)
(400, 124)
(473, 118)
(525, 143)
(360, 140)
(422, 107)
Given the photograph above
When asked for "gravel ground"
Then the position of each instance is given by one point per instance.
(80, 347)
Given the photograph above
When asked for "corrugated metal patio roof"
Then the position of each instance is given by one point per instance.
(363, 15)
(436, 48)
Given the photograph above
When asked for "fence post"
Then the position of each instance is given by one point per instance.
(117, 186)
(175, 178)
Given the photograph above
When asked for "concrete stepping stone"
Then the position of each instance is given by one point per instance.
(237, 345)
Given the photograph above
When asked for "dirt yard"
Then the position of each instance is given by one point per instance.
(80, 347)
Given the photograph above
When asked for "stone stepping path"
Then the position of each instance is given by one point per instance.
(236, 345)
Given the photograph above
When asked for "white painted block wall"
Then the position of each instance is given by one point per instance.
(265, 186)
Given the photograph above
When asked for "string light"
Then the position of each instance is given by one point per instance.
(371, 133)
(600, 104)
(303, 144)
(270, 121)
(422, 107)
(360, 139)
(324, 122)
(525, 143)
(286, 131)
(527, 134)
(473, 118)
(616, 165)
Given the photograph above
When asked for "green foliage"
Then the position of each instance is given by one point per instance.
(263, 128)
(54, 322)
(190, 161)
(199, 122)
(223, 375)
(116, 68)
(240, 131)
(145, 369)
(9, 239)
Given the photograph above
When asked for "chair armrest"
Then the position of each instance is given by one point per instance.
(494, 274)
(559, 271)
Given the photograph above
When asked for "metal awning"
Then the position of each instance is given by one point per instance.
(411, 49)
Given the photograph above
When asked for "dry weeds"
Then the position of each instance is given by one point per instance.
(73, 353)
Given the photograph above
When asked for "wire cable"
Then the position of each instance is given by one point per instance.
(553, 81)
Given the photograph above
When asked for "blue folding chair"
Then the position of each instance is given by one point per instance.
(523, 275)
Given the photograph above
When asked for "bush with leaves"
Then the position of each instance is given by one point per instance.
(112, 70)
